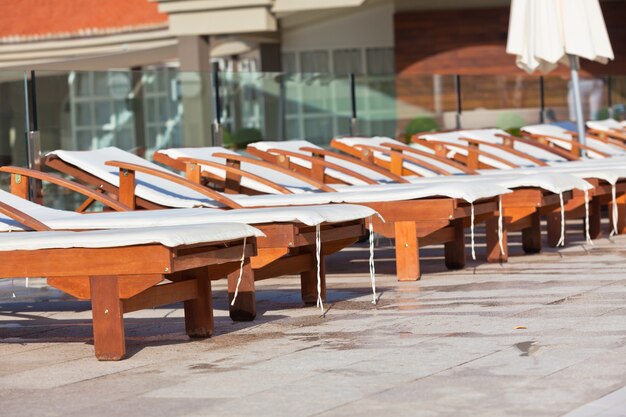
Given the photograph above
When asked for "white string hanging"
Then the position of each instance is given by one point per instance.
(26, 284)
(500, 226)
(472, 229)
(318, 248)
(587, 235)
(561, 241)
(241, 262)
(13, 288)
(614, 211)
(371, 261)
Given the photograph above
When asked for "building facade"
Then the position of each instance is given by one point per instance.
(139, 73)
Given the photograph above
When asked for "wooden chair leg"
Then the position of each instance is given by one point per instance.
(308, 281)
(621, 214)
(245, 304)
(494, 254)
(108, 318)
(455, 249)
(595, 218)
(407, 251)
(199, 311)
(531, 236)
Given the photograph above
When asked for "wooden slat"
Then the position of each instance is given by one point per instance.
(277, 235)
(215, 256)
(293, 264)
(129, 260)
(329, 235)
(265, 256)
(128, 285)
(424, 209)
(446, 234)
(161, 295)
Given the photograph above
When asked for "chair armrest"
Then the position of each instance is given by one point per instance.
(22, 217)
(127, 188)
(282, 170)
(408, 149)
(352, 160)
(508, 149)
(533, 140)
(319, 165)
(193, 164)
(20, 187)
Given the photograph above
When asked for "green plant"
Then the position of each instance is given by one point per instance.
(602, 114)
(241, 138)
(420, 124)
(510, 120)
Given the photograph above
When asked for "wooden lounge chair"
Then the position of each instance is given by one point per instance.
(291, 235)
(532, 197)
(608, 130)
(332, 173)
(409, 213)
(607, 190)
(118, 270)
(597, 146)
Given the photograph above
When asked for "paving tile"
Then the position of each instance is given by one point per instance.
(544, 335)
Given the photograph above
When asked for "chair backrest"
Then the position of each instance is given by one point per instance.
(207, 154)
(150, 188)
(606, 125)
(380, 141)
(296, 147)
(457, 145)
(549, 131)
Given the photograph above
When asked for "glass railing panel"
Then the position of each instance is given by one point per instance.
(424, 102)
(13, 144)
(502, 101)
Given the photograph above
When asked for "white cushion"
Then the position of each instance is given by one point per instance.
(68, 220)
(166, 236)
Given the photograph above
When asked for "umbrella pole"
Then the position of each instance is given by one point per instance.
(574, 64)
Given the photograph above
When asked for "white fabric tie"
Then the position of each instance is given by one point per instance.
(13, 288)
(500, 226)
(587, 235)
(614, 211)
(318, 248)
(241, 261)
(372, 268)
(561, 241)
(472, 229)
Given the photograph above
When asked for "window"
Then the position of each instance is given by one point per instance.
(318, 103)
(99, 113)
(162, 109)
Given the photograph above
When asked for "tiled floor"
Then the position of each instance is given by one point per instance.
(544, 335)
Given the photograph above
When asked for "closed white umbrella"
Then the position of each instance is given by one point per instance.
(543, 33)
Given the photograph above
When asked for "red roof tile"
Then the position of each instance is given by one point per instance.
(31, 20)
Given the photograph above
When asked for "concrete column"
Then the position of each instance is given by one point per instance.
(195, 89)
(270, 60)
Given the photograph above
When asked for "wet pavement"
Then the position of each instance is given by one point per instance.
(544, 335)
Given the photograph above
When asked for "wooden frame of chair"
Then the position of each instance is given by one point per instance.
(413, 223)
(287, 248)
(613, 136)
(601, 195)
(522, 209)
(557, 144)
(120, 280)
(574, 208)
